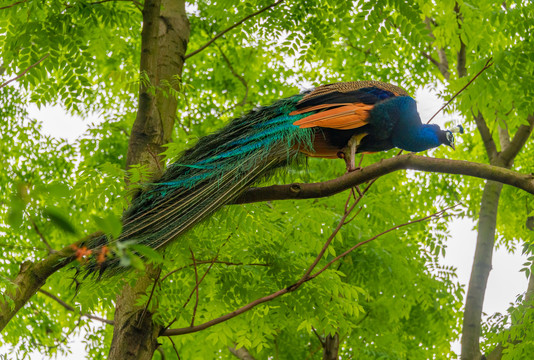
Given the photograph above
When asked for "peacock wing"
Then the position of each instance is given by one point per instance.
(343, 106)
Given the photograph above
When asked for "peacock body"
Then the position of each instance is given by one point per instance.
(331, 121)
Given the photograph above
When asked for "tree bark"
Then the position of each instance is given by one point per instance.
(486, 232)
(481, 268)
(31, 277)
(164, 42)
(241, 353)
(135, 335)
(331, 347)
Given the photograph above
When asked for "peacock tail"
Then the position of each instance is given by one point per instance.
(214, 172)
(330, 121)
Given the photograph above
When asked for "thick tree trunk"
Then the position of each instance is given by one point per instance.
(486, 231)
(164, 41)
(331, 347)
(241, 353)
(134, 335)
(481, 268)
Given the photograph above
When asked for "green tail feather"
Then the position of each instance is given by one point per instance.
(214, 172)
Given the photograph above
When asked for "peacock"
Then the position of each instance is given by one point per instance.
(331, 121)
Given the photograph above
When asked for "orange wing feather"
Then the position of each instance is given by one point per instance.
(342, 117)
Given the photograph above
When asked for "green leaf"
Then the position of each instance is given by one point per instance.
(110, 224)
(148, 253)
(60, 219)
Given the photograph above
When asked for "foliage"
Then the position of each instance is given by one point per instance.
(388, 299)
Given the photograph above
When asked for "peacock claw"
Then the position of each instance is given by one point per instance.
(349, 152)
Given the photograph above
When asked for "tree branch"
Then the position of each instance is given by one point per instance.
(238, 77)
(25, 71)
(232, 27)
(520, 138)
(197, 283)
(241, 353)
(461, 56)
(487, 139)
(291, 288)
(9, 6)
(71, 308)
(486, 66)
(32, 276)
(43, 239)
(386, 166)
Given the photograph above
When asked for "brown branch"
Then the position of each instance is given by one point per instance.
(9, 6)
(71, 308)
(25, 71)
(241, 353)
(518, 141)
(174, 347)
(487, 139)
(318, 336)
(291, 288)
(238, 77)
(340, 224)
(461, 56)
(32, 276)
(196, 286)
(504, 136)
(431, 59)
(150, 297)
(443, 63)
(43, 239)
(435, 215)
(232, 27)
(383, 167)
(486, 66)
(198, 282)
(208, 270)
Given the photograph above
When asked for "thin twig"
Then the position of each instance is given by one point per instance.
(71, 308)
(207, 271)
(232, 27)
(334, 233)
(25, 71)
(16, 3)
(49, 248)
(318, 337)
(486, 66)
(196, 286)
(435, 215)
(198, 282)
(149, 298)
(352, 218)
(174, 347)
(291, 288)
(239, 77)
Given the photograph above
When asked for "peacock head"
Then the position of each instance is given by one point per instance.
(447, 136)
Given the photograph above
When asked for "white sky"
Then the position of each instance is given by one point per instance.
(505, 281)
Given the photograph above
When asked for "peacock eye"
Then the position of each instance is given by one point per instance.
(450, 137)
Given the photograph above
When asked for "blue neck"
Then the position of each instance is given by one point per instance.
(416, 139)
